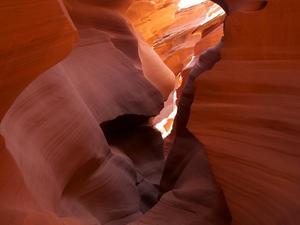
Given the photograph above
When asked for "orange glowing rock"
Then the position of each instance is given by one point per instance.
(247, 112)
(174, 30)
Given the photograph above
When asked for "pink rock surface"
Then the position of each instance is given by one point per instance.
(52, 130)
(58, 167)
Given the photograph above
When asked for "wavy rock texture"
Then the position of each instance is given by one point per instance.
(52, 130)
(34, 36)
(246, 113)
(57, 165)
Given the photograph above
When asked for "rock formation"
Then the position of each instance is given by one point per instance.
(30, 43)
(172, 31)
(52, 130)
(246, 113)
(80, 84)
(58, 165)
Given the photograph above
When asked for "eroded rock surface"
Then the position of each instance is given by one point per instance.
(57, 165)
(30, 43)
(246, 113)
(60, 163)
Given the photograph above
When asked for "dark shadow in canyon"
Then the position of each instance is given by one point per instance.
(133, 136)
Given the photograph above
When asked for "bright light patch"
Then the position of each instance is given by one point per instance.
(164, 121)
(165, 126)
(189, 3)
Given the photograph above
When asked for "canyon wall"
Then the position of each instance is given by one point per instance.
(34, 36)
(56, 165)
(59, 167)
(246, 113)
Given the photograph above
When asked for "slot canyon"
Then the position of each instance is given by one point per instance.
(149, 112)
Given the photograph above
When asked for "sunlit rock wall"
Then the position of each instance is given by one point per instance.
(177, 30)
(173, 31)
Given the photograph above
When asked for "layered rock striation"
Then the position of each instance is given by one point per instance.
(246, 113)
(60, 162)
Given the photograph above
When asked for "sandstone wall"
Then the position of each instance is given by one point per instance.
(246, 113)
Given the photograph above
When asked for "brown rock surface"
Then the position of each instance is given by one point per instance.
(246, 113)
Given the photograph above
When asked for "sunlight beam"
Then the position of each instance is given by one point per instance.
(189, 3)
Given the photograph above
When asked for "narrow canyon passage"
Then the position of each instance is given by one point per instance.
(161, 112)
